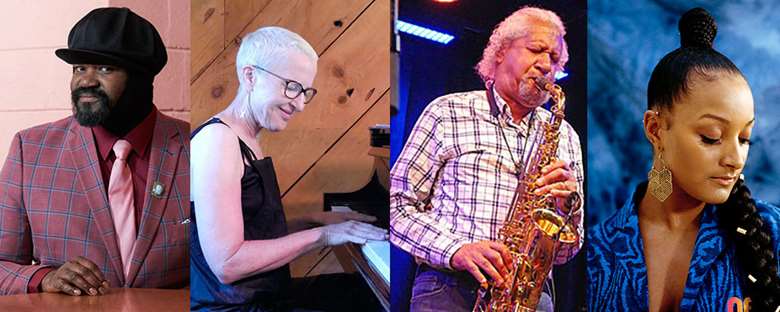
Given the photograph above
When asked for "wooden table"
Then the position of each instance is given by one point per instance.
(118, 299)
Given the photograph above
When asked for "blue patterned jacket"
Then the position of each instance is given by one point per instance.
(618, 275)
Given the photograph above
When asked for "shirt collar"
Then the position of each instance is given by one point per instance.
(505, 113)
(139, 137)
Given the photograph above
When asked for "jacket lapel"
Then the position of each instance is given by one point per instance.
(710, 246)
(81, 146)
(163, 163)
(629, 251)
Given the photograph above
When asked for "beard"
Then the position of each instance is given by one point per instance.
(530, 95)
(94, 113)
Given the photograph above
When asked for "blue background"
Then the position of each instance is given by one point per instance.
(625, 41)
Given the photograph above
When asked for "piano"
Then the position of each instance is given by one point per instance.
(371, 260)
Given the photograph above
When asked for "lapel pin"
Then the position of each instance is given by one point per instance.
(158, 189)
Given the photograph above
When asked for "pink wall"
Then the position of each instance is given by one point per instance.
(172, 20)
(35, 83)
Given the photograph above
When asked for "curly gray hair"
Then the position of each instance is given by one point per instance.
(513, 27)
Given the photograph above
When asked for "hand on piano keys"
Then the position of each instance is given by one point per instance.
(352, 232)
(333, 217)
(376, 253)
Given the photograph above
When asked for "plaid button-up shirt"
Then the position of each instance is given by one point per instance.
(455, 179)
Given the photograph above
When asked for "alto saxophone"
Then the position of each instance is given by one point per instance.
(533, 229)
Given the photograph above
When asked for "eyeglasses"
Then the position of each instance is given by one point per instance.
(292, 88)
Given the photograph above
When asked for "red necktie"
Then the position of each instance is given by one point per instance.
(120, 197)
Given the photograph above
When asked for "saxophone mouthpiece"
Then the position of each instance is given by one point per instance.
(541, 83)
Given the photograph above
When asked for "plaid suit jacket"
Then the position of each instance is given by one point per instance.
(54, 207)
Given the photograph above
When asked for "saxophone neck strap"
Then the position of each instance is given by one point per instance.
(491, 97)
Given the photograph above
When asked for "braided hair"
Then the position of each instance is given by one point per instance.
(738, 216)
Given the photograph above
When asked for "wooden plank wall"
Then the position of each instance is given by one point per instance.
(323, 149)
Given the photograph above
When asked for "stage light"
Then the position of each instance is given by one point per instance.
(424, 32)
(560, 75)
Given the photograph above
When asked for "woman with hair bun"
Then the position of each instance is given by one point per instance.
(691, 238)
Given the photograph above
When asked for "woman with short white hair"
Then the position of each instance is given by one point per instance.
(241, 240)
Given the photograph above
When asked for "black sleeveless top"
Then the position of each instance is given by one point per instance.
(261, 207)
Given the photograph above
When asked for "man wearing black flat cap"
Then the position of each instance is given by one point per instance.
(99, 199)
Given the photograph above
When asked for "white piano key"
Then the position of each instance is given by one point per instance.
(378, 255)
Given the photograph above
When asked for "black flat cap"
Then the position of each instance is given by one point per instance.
(115, 36)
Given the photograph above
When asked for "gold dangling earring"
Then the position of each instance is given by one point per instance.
(660, 180)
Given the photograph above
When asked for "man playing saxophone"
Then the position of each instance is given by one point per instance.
(453, 184)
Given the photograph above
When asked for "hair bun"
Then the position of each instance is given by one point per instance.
(697, 29)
